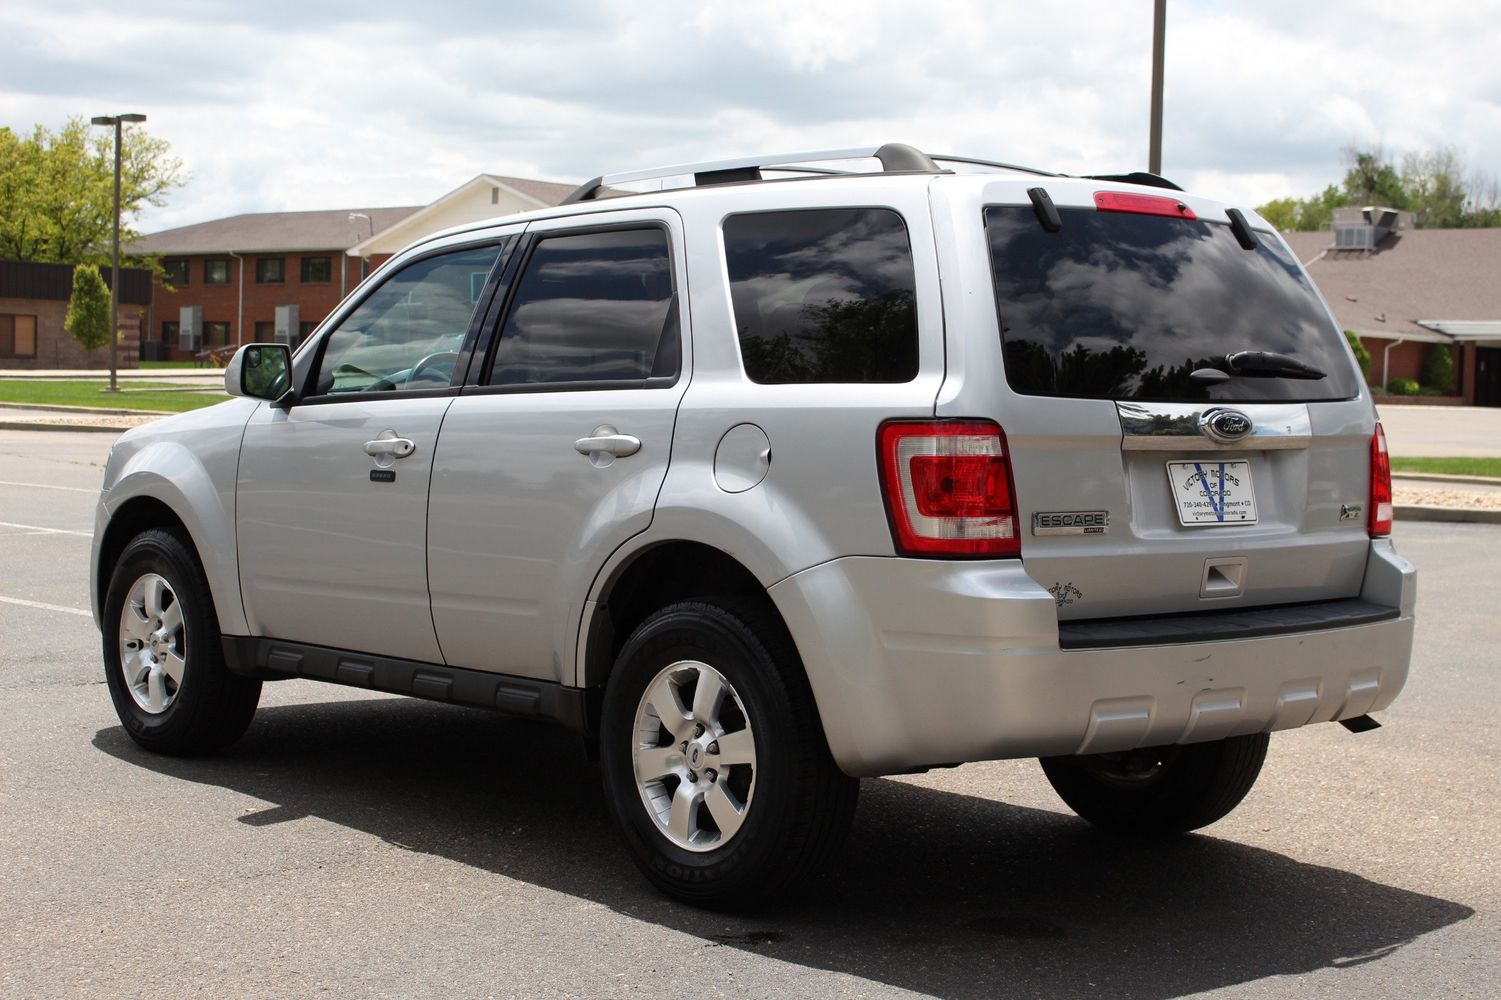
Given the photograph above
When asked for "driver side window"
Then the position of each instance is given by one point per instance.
(406, 335)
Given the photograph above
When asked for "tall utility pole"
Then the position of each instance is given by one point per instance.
(114, 274)
(1159, 27)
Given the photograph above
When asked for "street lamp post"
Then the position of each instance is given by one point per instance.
(364, 261)
(1154, 129)
(114, 277)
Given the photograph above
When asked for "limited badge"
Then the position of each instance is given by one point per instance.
(1070, 522)
(1351, 511)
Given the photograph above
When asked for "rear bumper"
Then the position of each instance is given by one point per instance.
(922, 662)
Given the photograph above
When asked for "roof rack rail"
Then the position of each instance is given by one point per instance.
(894, 157)
(946, 158)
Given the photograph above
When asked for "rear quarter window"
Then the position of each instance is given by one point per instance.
(1123, 306)
(823, 295)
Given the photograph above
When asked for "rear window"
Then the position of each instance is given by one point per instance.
(823, 295)
(1123, 306)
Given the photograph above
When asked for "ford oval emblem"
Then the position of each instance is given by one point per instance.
(1225, 426)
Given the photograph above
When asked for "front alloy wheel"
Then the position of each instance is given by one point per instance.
(153, 643)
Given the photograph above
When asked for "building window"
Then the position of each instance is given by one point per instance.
(215, 334)
(304, 330)
(170, 330)
(265, 332)
(175, 272)
(216, 272)
(316, 270)
(270, 270)
(17, 336)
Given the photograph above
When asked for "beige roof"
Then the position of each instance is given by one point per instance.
(262, 232)
(1417, 274)
(546, 192)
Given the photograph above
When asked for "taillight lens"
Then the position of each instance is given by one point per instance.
(948, 488)
(1380, 517)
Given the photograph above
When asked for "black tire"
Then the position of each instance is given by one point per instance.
(800, 805)
(210, 708)
(1159, 790)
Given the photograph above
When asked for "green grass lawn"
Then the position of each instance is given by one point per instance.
(134, 395)
(170, 364)
(1450, 466)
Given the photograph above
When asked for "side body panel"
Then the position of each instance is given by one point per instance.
(187, 462)
(520, 520)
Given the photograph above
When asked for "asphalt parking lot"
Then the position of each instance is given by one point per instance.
(356, 844)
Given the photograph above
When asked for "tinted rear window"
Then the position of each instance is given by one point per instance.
(1121, 306)
(823, 295)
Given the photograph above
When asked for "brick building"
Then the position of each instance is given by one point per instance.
(34, 303)
(276, 275)
(1407, 292)
(256, 277)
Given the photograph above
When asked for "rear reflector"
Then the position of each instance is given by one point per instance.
(1142, 204)
(948, 488)
(1380, 516)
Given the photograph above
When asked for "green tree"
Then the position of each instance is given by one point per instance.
(57, 190)
(1362, 356)
(1372, 180)
(1438, 369)
(88, 318)
(1436, 188)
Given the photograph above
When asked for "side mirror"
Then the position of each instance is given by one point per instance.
(260, 371)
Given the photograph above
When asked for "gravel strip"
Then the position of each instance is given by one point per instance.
(1424, 497)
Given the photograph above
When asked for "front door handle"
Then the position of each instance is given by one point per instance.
(608, 440)
(389, 445)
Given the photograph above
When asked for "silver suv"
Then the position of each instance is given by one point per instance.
(792, 471)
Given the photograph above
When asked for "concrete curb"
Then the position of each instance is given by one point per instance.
(1438, 477)
(29, 425)
(1454, 515)
(97, 411)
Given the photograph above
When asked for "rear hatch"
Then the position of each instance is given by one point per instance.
(1185, 421)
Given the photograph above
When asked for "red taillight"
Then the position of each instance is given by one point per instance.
(1142, 204)
(1379, 519)
(948, 488)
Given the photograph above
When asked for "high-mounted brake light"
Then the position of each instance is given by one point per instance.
(1379, 520)
(1142, 204)
(948, 488)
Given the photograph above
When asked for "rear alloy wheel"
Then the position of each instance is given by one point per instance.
(1159, 790)
(715, 765)
(162, 656)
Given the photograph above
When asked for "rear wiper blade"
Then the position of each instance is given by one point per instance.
(1265, 364)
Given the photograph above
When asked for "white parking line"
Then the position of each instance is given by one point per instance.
(37, 529)
(45, 607)
(48, 486)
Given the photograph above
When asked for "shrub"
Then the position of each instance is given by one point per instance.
(1402, 387)
(1438, 369)
(1362, 356)
(88, 318)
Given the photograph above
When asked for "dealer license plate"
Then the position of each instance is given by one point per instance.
(1212, 493)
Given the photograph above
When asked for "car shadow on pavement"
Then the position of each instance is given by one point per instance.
(947, 894)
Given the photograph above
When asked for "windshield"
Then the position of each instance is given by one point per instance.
(1122, 306)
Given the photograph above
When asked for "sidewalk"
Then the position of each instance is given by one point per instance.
(208, 376)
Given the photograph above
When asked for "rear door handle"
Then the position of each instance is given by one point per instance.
(389, 444)
(608, 440)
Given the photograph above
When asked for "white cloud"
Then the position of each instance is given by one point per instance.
(281, 106)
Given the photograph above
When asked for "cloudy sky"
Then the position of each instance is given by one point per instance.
(275, 105)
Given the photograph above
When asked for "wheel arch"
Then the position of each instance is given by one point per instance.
(144, 499)
(648, 579)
